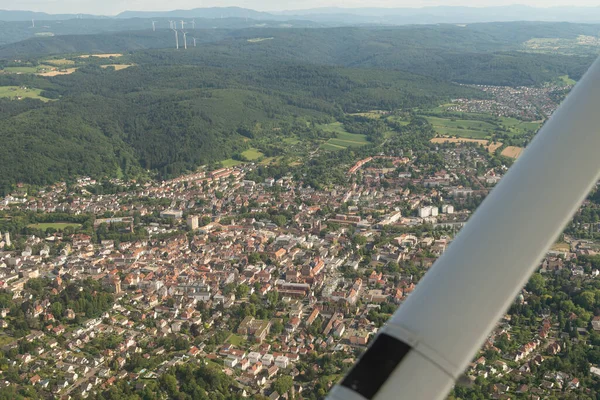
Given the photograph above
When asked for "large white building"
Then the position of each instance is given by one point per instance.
(282, 362)
(448, 209)
(428, 211)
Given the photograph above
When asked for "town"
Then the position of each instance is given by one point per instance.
(278, 285)
(525, 103)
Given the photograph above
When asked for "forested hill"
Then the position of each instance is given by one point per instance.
(364, 42)
(169, 111)
(171, 116)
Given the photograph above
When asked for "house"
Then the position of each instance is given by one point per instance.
(254, 357)
(554, 348)
(282, 362)
(574, 384)
(272, 371)
(268, 359)
(596, 323)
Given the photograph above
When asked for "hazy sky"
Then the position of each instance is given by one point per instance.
(110, 7)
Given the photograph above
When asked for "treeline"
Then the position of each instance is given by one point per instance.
(181, 382)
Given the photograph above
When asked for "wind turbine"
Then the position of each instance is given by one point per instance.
(170, 24)
(176, 39)
(184, 40)
(33, 23)
(431, 339)
(182, 24)
(194, 42)
(193, 24)
(154, 26)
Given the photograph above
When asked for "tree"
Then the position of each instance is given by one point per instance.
(242, 291)
(536, 284)
(283, 384)
(276, 329)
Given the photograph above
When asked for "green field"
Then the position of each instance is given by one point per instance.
(20, 70)
(343, 139)
(519, 127)
(252, 154)
(55, 225)
(480, 129)
(336, 127)
(399, 120)
(14, 92)
(565, 80)
(462, 127)
(291, 140)
(230, 162)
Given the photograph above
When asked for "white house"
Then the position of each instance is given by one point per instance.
(282, 361)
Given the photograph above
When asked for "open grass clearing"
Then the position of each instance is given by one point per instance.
(565, 80)
(398, 120)
(54, 225)
(235, 340)
(18, 93)
(291, 140)
(252, 154)
(230, 162)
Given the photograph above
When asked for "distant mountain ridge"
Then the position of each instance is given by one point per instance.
(352, 16)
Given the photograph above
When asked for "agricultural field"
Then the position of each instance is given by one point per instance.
(60, 62)
(16, 92)
(491, 147)
(462, 127)
(512, 151)
(55, 225)
(336, 127)
(57, 72)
